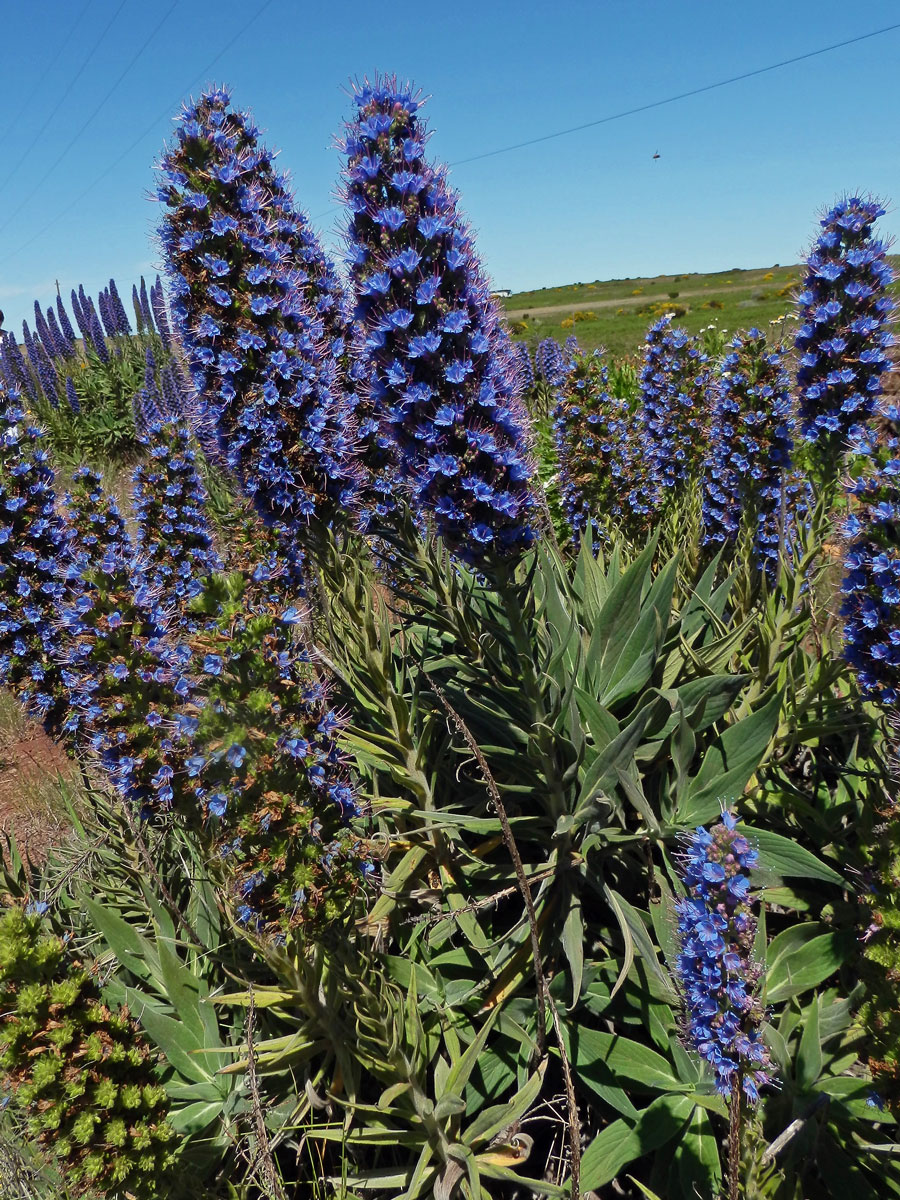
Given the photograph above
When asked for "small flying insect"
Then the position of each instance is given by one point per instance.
(657, 155)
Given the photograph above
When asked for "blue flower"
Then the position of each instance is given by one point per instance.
(675, 418)
(269, 374)
(594, 434)
(844, 316)
(434, 360)
(37, 559)
(747, 482)
(718, 975)
(235, 755)
(871, 582)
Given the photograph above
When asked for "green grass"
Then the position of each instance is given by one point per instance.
(12, 720)
(736, 299)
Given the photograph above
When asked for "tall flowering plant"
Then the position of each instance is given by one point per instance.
(676, 409)
(844, 312)
(524, 369)
(271, 779)
(716, 967)
(439, 404)
(550, 362)
(128, 683)
(745, 481)
(34, 557)
(258, 310)
(871, 583)
(174, 540)
(593, 432)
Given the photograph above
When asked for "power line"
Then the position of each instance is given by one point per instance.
(630, 112)
(709, 87)
(64, 45)
(81, 70)
(459, 162)
(40, 183)
(151, 128)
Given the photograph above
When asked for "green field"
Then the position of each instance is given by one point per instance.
(617, 312)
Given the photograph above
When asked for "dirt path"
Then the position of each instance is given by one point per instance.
(30, 766)
(549, 309)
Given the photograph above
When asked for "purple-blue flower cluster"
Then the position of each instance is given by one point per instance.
(439, 409)
(524, 370)
(844, 313)
(34, 552)
(173, 539)
(718, 974)
(53, 360)
(745, 481)
(593, 433)
(871, 583)
(550, 363)
(676, 412)
(266, 761)
(127, 681)
(250, 301)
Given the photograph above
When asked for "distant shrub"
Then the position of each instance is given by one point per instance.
(638, 292)
(567, 323)
(585, 316)
(673, 295)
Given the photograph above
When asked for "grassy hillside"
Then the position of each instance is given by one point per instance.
(615, 313)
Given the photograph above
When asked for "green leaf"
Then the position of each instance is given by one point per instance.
(644, 1190)
(493, 1120)
(787, 858)
(602, 773)
(809, 1056)
(800, 958)
(461, 1070)
(642, 941)
(729, 764)
(635, 663)
(697, 1158)
(173, 1038)
(573, 944)
(615, 625)
(183, 989)
(705, 700)
(607, 1056)
(123, 939)
(623, 1141)
(195, 1117)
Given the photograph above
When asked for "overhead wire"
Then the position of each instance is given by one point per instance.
(154, 125)
(708, 87)
(68, 91)
(87, 123)
(65, 44)
(630, 112)
(475, 157)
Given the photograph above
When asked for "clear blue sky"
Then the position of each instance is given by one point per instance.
(741, 174)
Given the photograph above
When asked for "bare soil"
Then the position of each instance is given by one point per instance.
(30, 766)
